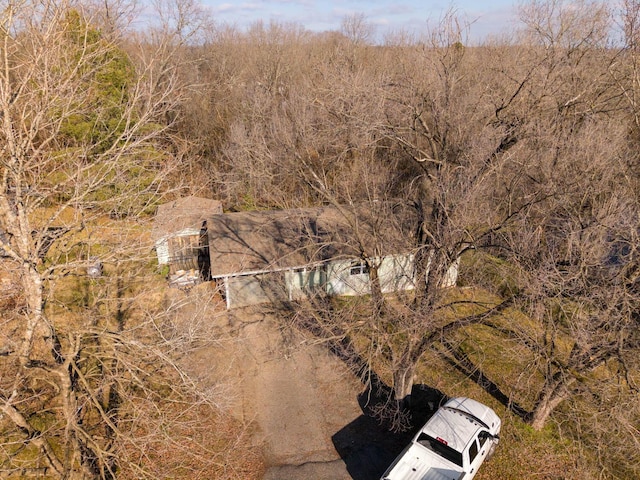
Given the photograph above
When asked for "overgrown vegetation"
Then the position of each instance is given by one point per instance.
(518, 155)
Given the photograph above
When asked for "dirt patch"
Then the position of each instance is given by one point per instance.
(304, 402)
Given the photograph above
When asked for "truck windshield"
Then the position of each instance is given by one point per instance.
(441, 449)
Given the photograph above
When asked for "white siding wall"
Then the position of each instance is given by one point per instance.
(342, 277)
(248, 290)
(303, 281)
(451, 277)
(397, 273)
(162, 251)
(341, 280)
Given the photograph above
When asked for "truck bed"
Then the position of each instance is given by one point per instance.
(419, 463)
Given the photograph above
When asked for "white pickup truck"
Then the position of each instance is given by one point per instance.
(452, 444)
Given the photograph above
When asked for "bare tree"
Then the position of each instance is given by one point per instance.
(89, 380)
(582, 181)
(346, 130)
(446, 173)
(579, 267)
(356, 28)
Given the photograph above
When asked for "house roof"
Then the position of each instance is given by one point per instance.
(261, 241)
(182, 214)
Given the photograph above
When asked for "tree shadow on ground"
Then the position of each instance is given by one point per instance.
(369, 444)
(461, 362)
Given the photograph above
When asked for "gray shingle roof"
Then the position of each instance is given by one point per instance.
(183, 213)
(261, 241)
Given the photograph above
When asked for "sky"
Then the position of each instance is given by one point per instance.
(486, 17)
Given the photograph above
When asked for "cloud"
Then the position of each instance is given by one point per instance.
(386, 15)
(230, 8)
(399, 9)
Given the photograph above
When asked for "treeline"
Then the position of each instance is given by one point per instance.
(518, 155)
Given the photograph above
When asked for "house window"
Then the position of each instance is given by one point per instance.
(358, 268)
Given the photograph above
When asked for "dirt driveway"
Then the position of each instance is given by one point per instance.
(303, 400)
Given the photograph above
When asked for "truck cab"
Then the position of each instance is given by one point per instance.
(451, 445)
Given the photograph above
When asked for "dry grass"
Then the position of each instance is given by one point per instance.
(164, 431)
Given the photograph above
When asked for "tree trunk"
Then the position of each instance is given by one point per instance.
(32, 288)
(376, 290)
(553, 393)
(403, 377)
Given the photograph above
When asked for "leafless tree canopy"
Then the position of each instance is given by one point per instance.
(517, 157)
(90, 378)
